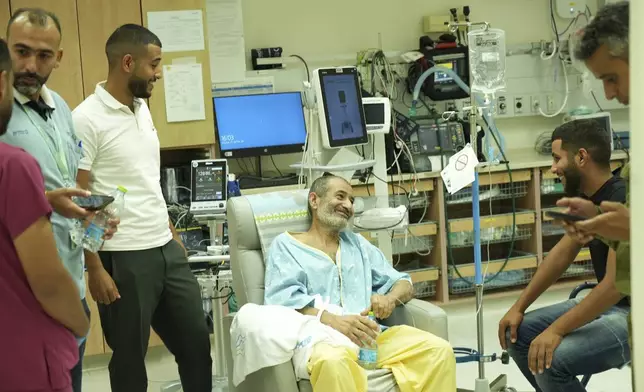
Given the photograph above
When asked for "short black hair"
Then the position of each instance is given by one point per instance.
(128, 39)
(320, 187)
(5, 57)
(610, 27)
(36, 16)
(587, 134)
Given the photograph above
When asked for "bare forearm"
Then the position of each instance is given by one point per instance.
(402, 291)
(552, 267)
(92, 261)
(175, 235)
(599, 300)
(60, 300)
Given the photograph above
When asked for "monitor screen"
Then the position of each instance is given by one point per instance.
(343, 108)
(263, 124)
(374, 113)
(209, 181)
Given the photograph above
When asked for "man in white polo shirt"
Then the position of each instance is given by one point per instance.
(142, 278)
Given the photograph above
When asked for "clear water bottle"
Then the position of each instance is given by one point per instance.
(368, 354)
(487, 60)
(93, 235)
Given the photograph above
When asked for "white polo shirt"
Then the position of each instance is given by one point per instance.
(122, 148)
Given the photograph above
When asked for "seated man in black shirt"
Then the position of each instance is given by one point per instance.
(555, 344)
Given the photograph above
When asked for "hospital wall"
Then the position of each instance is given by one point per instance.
(332, 32)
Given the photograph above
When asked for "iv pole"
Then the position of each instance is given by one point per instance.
(481, 383)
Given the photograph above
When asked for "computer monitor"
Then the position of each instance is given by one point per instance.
(339, 100)
(262, 124)
(603, 118)
(209, 184)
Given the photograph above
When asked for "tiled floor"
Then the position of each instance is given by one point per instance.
(161, 366)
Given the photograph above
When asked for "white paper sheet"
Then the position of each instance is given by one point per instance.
(226, 40)
(459, 171)
(179, 31)
(184, 97)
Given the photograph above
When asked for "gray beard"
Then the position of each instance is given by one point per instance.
(27, 91)
(332, 223)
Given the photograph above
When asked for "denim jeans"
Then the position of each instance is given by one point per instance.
(77, 371)
(596, 347)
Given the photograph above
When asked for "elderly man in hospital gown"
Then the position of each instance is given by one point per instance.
(354, 278)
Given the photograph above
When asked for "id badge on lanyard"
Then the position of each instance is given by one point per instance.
(57, 150)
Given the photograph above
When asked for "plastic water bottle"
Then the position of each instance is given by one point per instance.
(93, 236)
(368, 354)
(487, 60)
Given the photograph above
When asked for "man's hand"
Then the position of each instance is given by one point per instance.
(61, 201)
(512, 320)
(357, 328)
(542, 350)
(579, 207)
(112, 228)
(382, 306)
(613, 223)
(102, 286)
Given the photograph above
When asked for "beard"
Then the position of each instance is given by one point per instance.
(573, 182)
(5, 116)
(139, 87)
(331, 219)
(29, 88)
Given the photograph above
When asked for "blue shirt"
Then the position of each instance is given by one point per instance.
(296, 272)
(29, 131)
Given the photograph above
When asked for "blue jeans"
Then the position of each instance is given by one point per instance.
(77, 371)
(596, 347)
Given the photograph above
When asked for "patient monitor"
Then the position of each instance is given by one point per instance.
(377, 113)
(339, 104)
(209, 182)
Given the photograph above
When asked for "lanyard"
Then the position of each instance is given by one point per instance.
(58, 150)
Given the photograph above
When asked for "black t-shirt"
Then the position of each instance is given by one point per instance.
(612, 190)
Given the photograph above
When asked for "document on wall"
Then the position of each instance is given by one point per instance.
(184, 97)
(179, 31)
(226, 40)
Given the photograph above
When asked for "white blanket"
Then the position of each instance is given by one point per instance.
(265, 335)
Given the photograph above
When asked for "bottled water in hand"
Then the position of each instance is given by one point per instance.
(90, 236)
(368, 354)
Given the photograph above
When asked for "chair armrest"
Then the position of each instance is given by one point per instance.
(276, 378)
(422, 315)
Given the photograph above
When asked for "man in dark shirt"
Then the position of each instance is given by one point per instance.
(555, 344)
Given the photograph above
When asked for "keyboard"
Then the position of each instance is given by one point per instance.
(251, 182)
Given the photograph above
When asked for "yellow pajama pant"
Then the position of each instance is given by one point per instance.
(419, 361)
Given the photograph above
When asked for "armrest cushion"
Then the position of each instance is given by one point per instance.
(422, 315)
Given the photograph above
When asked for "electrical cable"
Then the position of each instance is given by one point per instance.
(275, 166)
(308, 74)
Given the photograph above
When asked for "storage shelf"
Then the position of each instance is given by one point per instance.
(360, 189)
(500, 220)
(518, 271)
(503, 191)
(492, 235)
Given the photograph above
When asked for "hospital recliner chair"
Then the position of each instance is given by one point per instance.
(247, 264)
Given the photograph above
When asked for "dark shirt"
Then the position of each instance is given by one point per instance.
(612, 190)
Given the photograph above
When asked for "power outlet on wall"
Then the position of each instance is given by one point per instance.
(535, 103)
(550, 104)
(519, 105)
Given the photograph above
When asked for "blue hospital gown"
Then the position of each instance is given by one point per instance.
(296, 272)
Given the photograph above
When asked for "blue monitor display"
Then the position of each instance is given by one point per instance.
(263, 124)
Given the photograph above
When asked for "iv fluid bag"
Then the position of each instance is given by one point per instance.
(487, 60)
